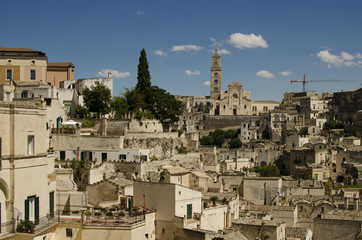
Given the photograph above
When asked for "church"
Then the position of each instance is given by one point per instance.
(234, 101)
(228, 108)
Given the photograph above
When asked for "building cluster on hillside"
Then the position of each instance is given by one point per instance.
(128, 179)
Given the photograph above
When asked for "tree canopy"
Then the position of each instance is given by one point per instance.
(147, 101)
(97, 99)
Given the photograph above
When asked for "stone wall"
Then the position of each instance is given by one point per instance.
(116, 127)
(145, 126)
(161, 145)
(104, 171)
(333, 229)
(102, 191)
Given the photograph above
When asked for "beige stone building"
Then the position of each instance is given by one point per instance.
(27, 178)
(22, 64)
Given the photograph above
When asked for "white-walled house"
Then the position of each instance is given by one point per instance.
(169, 201)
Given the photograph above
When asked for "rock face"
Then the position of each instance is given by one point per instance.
(161, 148)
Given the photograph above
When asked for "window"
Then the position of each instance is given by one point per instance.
(32, 209)
(9, 74)
(68, 232)
(216, 89)
(122, 157)
(24, 94)
(216, 82)
(62, 155)
(104, 157)
(143, 158)
(265, 108)
(189, 211)
(31, 145)
(32, 74)
(216, 74)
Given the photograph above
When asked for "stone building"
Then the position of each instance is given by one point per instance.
(27, 178)
(262, 190)
(22, 64)
(59, 71)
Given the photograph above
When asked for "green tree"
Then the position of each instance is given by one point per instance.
(235, 143)
(206, 140)
(144, 76)
(119, 106)
(82, 112)
(164, 106)
(97, 99)
(268, 171)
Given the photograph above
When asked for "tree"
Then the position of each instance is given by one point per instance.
(81, 111)
(119, 106)
(144, 76)
(164, 106)
(268, 171)
(97, 99)
(206, 140)
(235, 143)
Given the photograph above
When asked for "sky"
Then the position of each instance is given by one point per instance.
(263, 44)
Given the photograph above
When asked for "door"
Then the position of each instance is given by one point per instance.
(189, 211)
(51, 205)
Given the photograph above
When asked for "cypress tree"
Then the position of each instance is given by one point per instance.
(143, 77)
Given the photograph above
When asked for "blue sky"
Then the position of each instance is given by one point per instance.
(265, 43)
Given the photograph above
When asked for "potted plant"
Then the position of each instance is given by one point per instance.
(224, 201)
(213, 200)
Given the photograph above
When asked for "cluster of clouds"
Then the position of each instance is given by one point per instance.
(267, 74)
(190, 73)
(343, 59)
(115, 73)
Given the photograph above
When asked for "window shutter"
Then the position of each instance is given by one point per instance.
(37, 210)
(26, 209)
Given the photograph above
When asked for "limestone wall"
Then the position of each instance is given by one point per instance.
(145, 126)
(161, 145)
(102, 191)
(105, 170)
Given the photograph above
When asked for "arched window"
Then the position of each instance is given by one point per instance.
(265, 108)
(216, 82)
(216, 89)
(255, 109)
(216, 74)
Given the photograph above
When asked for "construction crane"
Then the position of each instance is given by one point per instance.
(307, 81)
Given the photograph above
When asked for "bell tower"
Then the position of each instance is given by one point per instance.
(215, 76)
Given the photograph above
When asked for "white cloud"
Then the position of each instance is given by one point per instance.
(285, 73)
(186, 48)
(140, 12)
(223, 51)
(241, 41)
(115, 73)
(206, 83)
(265, 74)
(160, 53)
(189, 73)
(343, 59)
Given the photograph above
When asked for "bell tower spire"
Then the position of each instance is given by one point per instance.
(215, 75)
